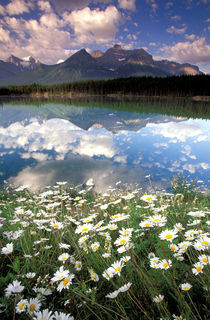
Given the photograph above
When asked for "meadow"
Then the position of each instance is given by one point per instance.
(69, 253)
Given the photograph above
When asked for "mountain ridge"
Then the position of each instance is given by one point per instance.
(114, 63)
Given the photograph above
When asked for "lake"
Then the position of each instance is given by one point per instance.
(116, 142)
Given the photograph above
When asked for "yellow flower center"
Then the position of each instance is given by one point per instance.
(123, 241)
(165, 265)
(78, 265)
(147, 224)
(205, 260)
(205, 243)
(173, 248)
(117, 269)
(115, 217)
(186, 288)
(65, 282)
(32, 307)
(198, 269)
(64, 258)
(169, 236)
(85, 229)
(56, 225)
(157, 220)
(21, 306)
(61, 277)
(94, 276)
(148, 198)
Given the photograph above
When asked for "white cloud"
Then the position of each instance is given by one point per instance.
(44, 5)
(190, 36)
(192, 168)
(4, 35)
(127, 4)
(179, 130)
(176, 18)
(197, 51)
(153, 4)
(2, 10)
(94, 25)
(175, 30)
(16, 7)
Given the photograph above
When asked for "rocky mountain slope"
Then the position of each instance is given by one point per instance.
(114, 63)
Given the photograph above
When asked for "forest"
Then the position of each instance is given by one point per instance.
(176, 86)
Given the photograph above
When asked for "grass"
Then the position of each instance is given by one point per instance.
(68, 253)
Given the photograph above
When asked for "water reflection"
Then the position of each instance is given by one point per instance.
(106, 145)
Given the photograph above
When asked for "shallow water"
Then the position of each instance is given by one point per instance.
(43, 142)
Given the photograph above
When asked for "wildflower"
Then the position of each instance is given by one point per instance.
(204, 259)
(60, 274)
(94, 277)
(84, 228)
(30, 275)
(21, 306)
(126, 232)
(33, 305)
(125, 248)
(158, 220)
(113, 294)
(168, 235)
(43, 315)
(64, 284)
(178, 317)
(78, 265)
(186, 286)
(165, 264)
(108, 274)
(198, 268)
(112, 226)
(125, 287)
(106, 255)
(95, 246)
(62, 316)
(64, 246)
(146, 224)
(90, 182)
(119, 217)
(104, 206)
(63, 257)
(125, 259)
(121, 241)
(158, 298)
(128, 196)
(148, 198)
(56, 225)
(173, 247)
(117, 267)
(14, 287)
(82, 240)
(8, 249)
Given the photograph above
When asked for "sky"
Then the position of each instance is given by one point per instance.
(52, 30)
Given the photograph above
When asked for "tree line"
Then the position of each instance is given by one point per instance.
(179, 86)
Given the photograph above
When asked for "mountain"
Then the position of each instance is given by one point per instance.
(114, 63)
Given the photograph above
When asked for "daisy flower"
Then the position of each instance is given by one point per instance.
(30, 275)
(78, 265)
(146, 224)
(14, 287)
(158, 298)
(125, 287)
(112, 295)
(63, 257)
(94, 277)
(84, 228)
(56, 225)
(158, 220)
(178, 317)
(126, 232)
(44, 315)
(198, 268)
(62, 316)
(168, 235)
(64, 246)
(21, 306)
(90, 182)
(95, 246)
(121, 241)
(204, 259)
(33, 305)
(108, 274)
(106, 255)
(117, 267)
(148, 198)
(60, 274)
(64, 284)
(174, 247)
(165, 264)
(8, 249)
(186, 286)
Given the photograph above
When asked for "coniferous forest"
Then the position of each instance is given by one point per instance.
(177, 86)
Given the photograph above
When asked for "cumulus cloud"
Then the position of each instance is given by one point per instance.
(127, 4)
(197, 52)
(175, 30)
(94, 25)
(190, 36)
(16, 7)
(179, 130)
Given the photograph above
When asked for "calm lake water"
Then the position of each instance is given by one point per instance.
(45, 142)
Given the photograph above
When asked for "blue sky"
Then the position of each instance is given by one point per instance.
(53, 30)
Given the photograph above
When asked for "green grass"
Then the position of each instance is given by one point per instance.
(38, 223)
